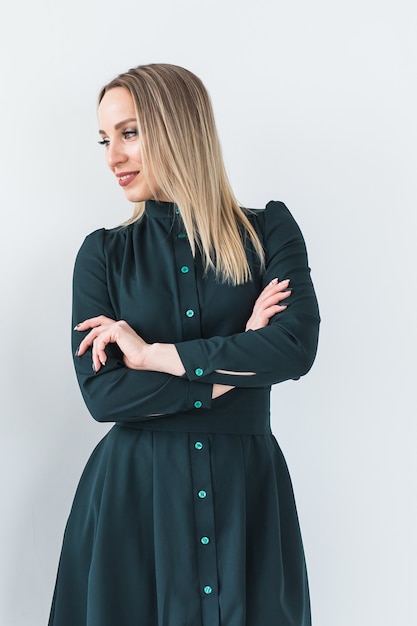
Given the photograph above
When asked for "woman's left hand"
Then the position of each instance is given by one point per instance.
(105, 330)
(269, 304)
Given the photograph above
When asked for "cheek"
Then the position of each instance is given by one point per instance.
(136, 152)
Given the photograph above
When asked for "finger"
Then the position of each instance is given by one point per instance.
(113, 333)
(274, 286)
(93, 322)
(261, 319)
(278, 297)
(273, 310)
(86, 343)
(267, 314)
(98, 354)
(272, 299)
(89, 339)
(280, 285)
(276, 282)
(283, 284)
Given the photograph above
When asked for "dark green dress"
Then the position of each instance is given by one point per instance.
(185, 515)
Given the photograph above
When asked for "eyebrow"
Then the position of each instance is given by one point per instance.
(119, 125)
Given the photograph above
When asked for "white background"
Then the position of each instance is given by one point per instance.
(316, 105)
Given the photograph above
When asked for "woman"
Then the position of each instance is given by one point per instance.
(183, 318)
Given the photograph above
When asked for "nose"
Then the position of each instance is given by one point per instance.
(115, 155)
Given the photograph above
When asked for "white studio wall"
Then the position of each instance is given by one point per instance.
(315, 104)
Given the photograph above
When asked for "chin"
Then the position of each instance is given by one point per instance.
(137, 196)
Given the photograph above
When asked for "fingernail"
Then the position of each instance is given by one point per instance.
(93, 367)
(77, 350)
(103, 363)
(273, 281)
(77, 325)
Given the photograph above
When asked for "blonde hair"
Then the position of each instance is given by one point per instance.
(181, 148)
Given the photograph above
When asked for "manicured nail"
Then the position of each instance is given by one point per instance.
(274, 281)
(93, 367)
(103, 363)
(77, 351)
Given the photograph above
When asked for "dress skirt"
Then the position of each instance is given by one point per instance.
(172, 528)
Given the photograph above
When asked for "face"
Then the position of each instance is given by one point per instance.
(120, 137)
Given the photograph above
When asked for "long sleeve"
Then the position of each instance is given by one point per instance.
(117, 393)
(286, 348)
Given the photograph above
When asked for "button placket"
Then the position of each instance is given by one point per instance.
(205, 539)
(204, 528)
(186, 281)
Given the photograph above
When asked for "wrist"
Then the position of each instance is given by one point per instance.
(163, 357)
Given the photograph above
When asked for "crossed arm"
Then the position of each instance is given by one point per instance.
(164, 357)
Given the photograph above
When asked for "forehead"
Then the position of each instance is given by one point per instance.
(116, 105)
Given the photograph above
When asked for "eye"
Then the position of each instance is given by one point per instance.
(104, 142)
(130, 133)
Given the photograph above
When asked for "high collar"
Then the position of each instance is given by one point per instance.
(154, 208)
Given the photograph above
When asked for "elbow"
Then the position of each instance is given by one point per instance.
(305, 362)
(303, 352)
(97, 400)
(99, 411)
(102, 393)
(306, 355)
(101, 417)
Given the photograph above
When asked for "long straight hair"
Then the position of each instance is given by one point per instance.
(182, 154)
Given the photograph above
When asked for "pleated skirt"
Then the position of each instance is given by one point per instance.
(182, 529)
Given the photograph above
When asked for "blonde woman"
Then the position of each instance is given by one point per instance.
(184, 317)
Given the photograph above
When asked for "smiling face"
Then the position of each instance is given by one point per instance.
(120, 136)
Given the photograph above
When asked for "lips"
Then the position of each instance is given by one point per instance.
(125, 178)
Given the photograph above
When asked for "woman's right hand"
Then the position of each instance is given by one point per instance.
(266, 306)
(269, 304)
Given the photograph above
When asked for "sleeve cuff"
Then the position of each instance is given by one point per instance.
(195, 363)
(199, 396)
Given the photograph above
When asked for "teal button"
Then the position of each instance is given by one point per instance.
(185, 269)
(181, 235)
(198, 445)
(198, 371)
(189, 313)
(205, 540)
(177, 211)
(198, 404)
(208, 590)
(202, 494)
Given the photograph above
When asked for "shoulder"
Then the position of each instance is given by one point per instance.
(102, 240)
(103, 236)
(99, 246)
(275, 220)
